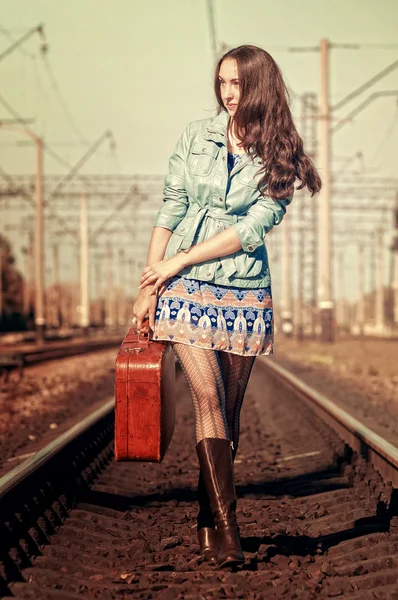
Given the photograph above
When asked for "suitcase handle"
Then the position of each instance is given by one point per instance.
(146, 334)
(137, 341)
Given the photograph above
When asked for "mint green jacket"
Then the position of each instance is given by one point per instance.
(196, 205)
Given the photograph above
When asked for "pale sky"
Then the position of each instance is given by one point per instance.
(145, 69)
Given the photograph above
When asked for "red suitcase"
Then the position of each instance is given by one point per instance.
(144, 398)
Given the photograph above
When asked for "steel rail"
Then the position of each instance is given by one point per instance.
(20, 473)
(379, 452)
(43, 353)
(10, 358)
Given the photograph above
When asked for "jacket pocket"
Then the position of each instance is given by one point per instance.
(174, 245)
(202, 158)
(177, 237)
(250, 264)
(248, 176)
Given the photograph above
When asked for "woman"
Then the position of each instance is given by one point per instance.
(207, 286)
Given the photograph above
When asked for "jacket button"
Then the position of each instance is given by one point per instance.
(203, 149)
(250, 248)
(209, 273)
(220, 199)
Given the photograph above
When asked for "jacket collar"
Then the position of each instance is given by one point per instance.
(218, 127)
(216, 131)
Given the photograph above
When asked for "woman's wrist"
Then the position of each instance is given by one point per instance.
(147, 289)
(184, 258)
(222, 244)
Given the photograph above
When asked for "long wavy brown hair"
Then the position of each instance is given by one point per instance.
(265, 124)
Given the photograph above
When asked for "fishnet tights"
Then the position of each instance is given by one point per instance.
(217, 381)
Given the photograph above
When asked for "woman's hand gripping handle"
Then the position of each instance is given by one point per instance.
(145, 308)
(145, 305)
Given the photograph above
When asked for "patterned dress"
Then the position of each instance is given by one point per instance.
(216, 317)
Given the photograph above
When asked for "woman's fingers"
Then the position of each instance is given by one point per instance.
(158, 283)
(152, 311)
(143, 283)
(149, 278)
(155, 279)
(145, 325)
(162, 289)
(146, 269)
(145, 277)
(140, 319)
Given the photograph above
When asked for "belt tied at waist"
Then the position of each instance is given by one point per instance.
(228, 262)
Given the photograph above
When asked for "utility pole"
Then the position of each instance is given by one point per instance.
(325, 296)
(286, 300)
(84, 278)
(75, 304)
(29, 273)
(308, 213)
(26, 283)
(131, 282)
(56, 291)
(380, 322)
(55, 265)
(212, 27)
(109, 321)
(121, 310)
(394, 250)
(39, 243)
(372, 266)
(361, 290)
(97, 290)
(340, 293)
(125, 288)
(299, 304)
(324, 291)
(1, 284)
(39, 226)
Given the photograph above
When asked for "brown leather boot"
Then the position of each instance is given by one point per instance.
(205, 522)
(234, 451)
(215, 459)
(205, 527)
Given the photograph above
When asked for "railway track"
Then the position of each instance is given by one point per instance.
(316, 504)
(23, 356)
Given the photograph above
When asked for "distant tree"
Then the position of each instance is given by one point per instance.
(11, 281)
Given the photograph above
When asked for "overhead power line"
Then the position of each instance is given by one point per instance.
(57, 91)
(17, 43)
(386, 137)
(20, 120)
(12, 39)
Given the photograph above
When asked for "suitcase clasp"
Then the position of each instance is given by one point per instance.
(139, 340)
(136, 350)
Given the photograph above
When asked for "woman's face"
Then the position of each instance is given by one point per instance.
(229, 84)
